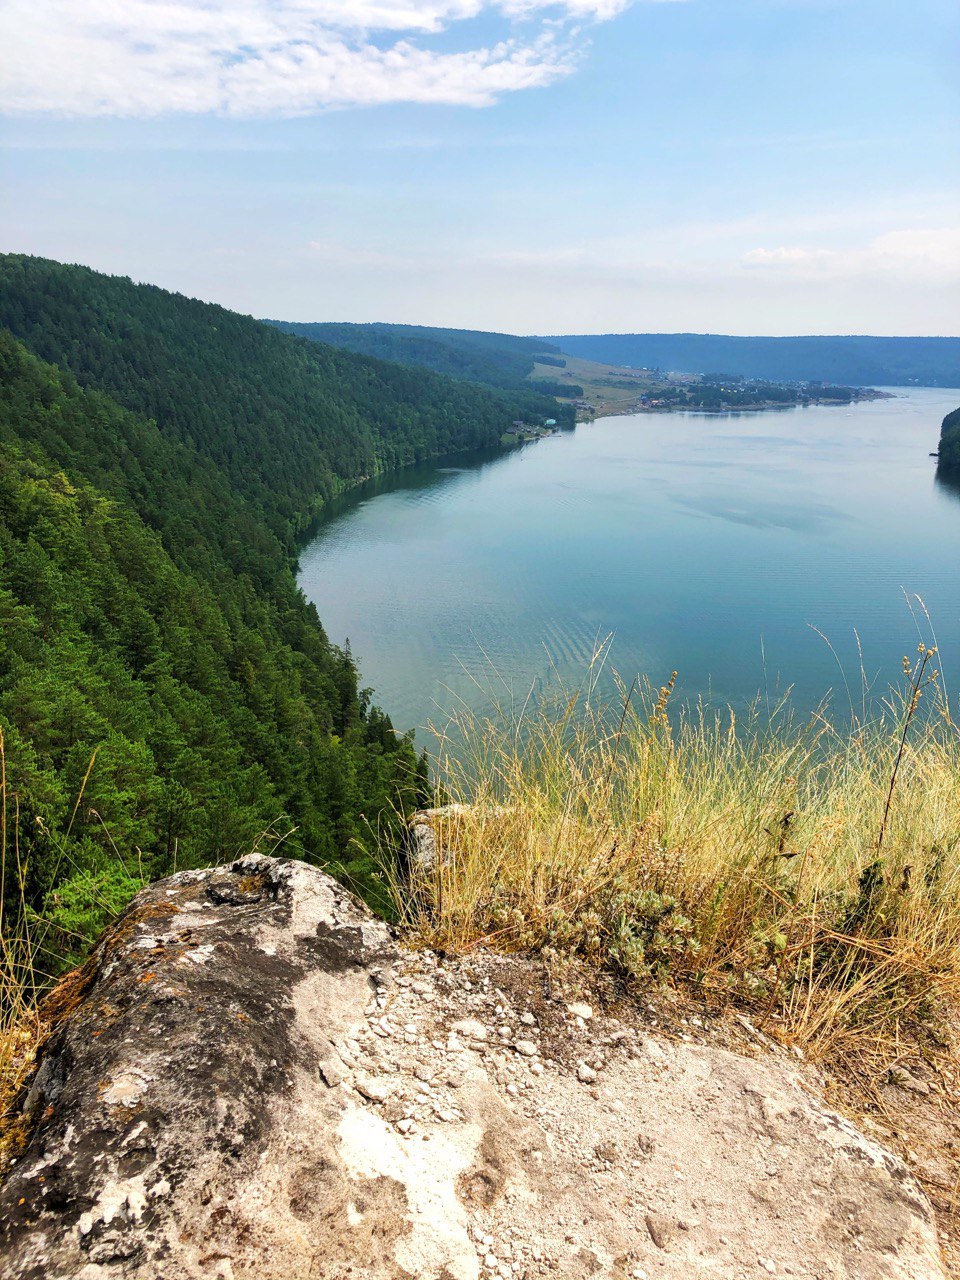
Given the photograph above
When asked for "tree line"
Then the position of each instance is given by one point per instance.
(159, 460)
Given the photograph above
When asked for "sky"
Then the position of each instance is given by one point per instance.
(734, 166)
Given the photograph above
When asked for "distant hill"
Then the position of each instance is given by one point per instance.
(496, 359)
(856, 361)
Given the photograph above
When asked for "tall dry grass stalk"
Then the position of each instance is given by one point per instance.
(31, 950)
(810, 870)
(19, 1021)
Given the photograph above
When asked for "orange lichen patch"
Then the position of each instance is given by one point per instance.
(146, 977)
(105, 1012)
(15, 1131)
(122, 1113)
(119, 935)
(255, 883)
(66, 996)
(16, 1126)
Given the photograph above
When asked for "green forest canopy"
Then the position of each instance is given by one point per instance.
(159, 458)
(496, 359)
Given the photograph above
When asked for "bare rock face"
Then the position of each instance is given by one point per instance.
(425, 834)
(256, 1083)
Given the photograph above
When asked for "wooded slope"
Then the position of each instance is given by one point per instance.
(158, 459)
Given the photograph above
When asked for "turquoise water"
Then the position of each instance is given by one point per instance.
(711, 545)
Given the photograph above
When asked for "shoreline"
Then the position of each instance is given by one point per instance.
(612, 409)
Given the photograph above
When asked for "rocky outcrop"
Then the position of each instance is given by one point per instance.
(256, 1082)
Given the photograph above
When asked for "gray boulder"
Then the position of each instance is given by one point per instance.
(257, 1083)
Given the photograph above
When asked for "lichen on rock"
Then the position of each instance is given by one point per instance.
(256, 1082)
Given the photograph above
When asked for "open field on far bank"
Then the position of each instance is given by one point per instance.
(607, 387)
(610, 390)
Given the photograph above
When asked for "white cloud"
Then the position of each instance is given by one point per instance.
(598, 10)
(786, 257)
(912, 253)
(286, 57)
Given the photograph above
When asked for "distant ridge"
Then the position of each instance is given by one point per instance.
(496, 359)
(859, 360)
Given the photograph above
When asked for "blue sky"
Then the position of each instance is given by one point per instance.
(743, 166)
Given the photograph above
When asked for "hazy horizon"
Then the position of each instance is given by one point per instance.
(741, 167)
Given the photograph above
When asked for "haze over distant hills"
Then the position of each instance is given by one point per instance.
(506, 360)
(859, 360)
(496, 359)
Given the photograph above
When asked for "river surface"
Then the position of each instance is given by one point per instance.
(712, 545)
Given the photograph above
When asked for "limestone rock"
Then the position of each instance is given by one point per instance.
(420, 837)
(429, 833)
(257, 1083)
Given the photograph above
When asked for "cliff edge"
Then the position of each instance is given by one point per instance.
(253, 1080)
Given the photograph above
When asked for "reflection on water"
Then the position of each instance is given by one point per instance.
(415, 480)
(704, 545)
(759, 512)
(948, 482)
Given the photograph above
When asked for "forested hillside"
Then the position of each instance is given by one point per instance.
(151, 490)
(495, 359)
(288, 421)
(853, 361)
(950, 442)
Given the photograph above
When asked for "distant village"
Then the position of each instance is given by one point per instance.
(717, 393)
(520, 431)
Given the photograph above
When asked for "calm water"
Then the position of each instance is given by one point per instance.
(707, 544)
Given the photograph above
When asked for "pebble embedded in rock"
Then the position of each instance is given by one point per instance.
(332, 1074)
(470, 1028)
(906, 1080)
(375, 1088)
(663, 1231)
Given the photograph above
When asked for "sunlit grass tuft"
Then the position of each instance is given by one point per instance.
(36, 947)
(808, 871)
(19, 1020)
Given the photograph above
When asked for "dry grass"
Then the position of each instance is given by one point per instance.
(808, 871)
(31, 955)
(36, 945)
(20, 1024)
